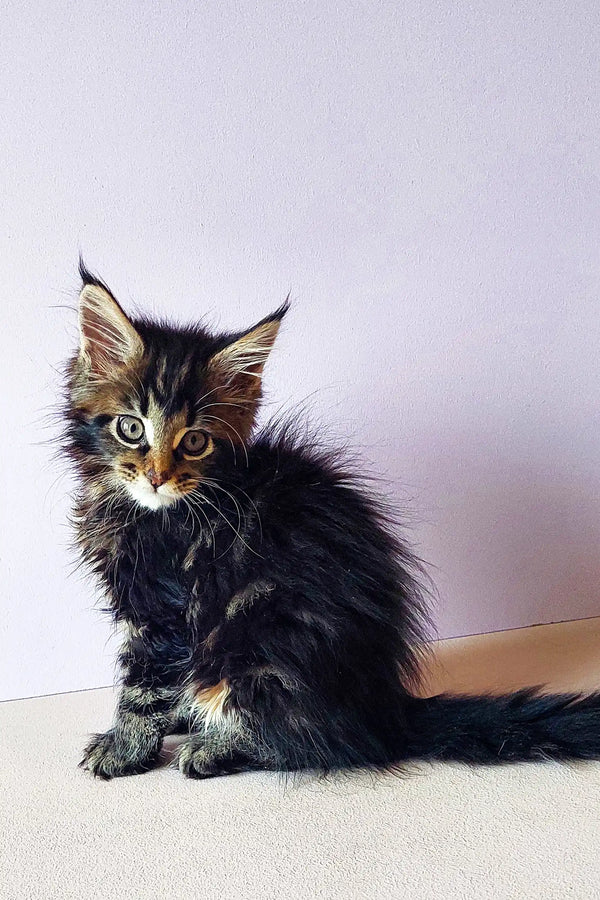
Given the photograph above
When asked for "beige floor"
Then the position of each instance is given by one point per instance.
(441, 831)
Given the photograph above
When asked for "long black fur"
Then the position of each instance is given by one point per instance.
(321, 652)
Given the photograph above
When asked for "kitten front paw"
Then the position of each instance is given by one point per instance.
(106, 757)
(196, 760)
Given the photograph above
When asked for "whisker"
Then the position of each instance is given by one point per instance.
(236, 487)
(196, 508)
(234, 529)
(208, 393)
(241, 404)
(235, 431)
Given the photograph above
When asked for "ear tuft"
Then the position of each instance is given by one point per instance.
(88, 277)
(108, 338)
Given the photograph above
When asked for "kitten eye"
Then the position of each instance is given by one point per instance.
(194, 442)
(130, 429)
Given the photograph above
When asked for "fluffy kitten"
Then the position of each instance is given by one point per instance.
(268, 609)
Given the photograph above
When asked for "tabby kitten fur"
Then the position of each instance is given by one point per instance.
(269, 610)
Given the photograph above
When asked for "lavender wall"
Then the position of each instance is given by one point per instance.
(423, 176)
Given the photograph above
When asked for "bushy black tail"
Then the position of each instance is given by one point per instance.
(527, 725)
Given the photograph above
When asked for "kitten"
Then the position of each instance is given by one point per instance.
(269, 610)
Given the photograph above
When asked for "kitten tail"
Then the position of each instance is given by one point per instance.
(526, 725)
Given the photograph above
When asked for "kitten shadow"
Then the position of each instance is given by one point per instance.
(171, 745)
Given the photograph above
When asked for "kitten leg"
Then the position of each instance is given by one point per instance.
(133, 743)
(222, 742)
(212, 752)
(181, 716)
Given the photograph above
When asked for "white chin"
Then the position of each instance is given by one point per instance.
(151, 499)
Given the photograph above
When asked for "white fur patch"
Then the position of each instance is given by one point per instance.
(143, 493)
(149, 430)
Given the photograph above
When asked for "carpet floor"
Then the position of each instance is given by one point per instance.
(439, 831)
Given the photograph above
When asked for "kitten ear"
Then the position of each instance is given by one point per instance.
(234, 376)
(244, 359)
(108, 338)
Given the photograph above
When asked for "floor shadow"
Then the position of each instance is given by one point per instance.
(169, 749)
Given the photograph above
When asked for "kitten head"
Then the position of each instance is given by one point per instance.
(150, 406)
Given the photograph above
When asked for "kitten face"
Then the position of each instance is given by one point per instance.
(161, 459)
(151, 406)
(156, 455)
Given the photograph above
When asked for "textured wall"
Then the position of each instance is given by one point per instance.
(422, 176)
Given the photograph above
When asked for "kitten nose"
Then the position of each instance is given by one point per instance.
(156, 478)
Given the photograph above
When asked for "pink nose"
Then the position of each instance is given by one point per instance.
(156, 478)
